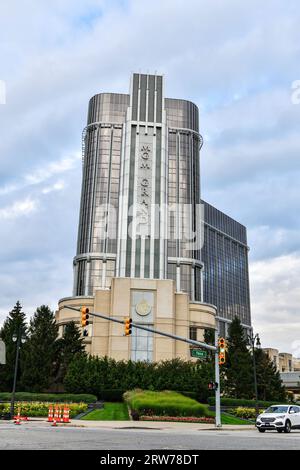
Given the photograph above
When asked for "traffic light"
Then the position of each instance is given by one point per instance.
(212, 385)
(128, 326)
(84, 316)
(222, 352)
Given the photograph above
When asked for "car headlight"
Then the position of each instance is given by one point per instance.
(280, 417)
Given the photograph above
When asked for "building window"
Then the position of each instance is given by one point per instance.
(142, 345)
(193, 333)
(222, 330)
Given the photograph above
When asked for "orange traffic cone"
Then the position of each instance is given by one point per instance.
(18, 418)
(50, 414)
(66, 416)
(56, 414)
(59, 415)
(54, 423)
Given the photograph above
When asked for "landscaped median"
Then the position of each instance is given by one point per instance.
(164, 406)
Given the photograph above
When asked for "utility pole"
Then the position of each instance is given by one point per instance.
(17, 338)
(218, 385)
(252, 340)
(178, 338)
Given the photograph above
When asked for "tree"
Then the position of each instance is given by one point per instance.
(209, 338)
(70, 345)
(40, 352)
(238, 368)
(15, 324)
(269, 383)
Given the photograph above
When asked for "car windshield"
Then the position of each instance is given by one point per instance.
(277, 409)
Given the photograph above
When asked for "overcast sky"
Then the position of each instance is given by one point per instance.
(237, 60)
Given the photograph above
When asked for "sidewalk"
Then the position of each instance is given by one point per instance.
(155, 425)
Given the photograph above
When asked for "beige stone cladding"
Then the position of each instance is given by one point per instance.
(150, 302)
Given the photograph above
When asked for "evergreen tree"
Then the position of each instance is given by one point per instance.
(209, 338)
(15, 324)
(70, 345)
(269, 383)
(38, 362)
(238, 369)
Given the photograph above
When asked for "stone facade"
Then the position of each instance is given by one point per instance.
(149, 302)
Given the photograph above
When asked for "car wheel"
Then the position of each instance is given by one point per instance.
(279, 430)
(287, 427)
(261, 430)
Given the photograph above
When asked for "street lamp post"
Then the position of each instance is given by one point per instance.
(16, 338)
(254, 340)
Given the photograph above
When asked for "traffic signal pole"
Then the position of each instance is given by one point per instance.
(178, 338)
(217, 389)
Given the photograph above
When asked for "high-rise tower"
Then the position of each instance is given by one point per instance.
(140, 203)
(142, 225)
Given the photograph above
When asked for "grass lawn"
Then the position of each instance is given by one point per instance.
(110, 412)
(229, 419)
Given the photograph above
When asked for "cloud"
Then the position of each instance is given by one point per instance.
(44, 173)
(39, 175)
(275, 291)
(53, 275)
(55, 187)
(18, 209)
(295, 348)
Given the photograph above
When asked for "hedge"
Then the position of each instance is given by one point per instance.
(112, 395)
(165, 403)
(108, 378)
(33, 409)
(117, 395)
(50, 397)
(240, 402)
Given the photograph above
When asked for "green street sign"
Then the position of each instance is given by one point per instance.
(198, 353)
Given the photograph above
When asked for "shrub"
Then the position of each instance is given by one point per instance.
(112, 395)
(244, 413)
(34, 409)
(165, 403)
(50, 397)
(240, 402)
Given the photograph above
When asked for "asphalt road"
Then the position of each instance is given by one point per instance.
(38, 437)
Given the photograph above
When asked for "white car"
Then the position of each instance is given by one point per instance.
(279, 417)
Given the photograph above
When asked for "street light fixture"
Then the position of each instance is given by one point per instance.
(18, 338)
(254, 342)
